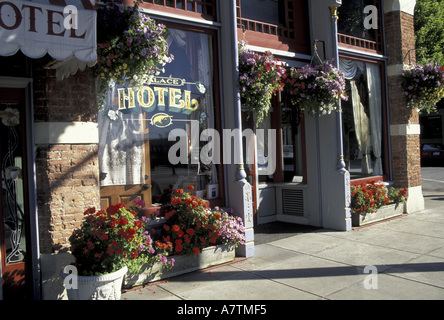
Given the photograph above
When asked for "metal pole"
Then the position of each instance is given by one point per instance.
(240, 171)
(340, 150)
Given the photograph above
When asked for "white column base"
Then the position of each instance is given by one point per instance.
(415, 200)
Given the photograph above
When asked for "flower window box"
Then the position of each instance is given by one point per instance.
(383, 213)
(373, 202)
(210, 256)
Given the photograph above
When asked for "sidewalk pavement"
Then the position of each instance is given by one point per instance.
(406, 254)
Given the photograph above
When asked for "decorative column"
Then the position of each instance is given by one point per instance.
(334, 22)
(340, 161)
(239, 191)
(404, 121)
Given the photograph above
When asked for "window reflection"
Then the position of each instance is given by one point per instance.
(291, 142)
(12, 184)
(268, 11)
(161, 122)
(362, 119)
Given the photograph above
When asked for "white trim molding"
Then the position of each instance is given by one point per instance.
(395, 70)
(405, 129)
(407, 6)
(66, 133)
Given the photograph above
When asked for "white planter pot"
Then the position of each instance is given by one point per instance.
(383, 213)
(106, 287)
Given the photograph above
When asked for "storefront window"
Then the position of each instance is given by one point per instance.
(362, 119)
(291, 126)
(360, 26)
(351, 19)
(287, 121)
(277, 24)
(152, 135)
(269, 11)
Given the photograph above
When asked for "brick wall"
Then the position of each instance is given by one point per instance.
(400, 37)
(400, 41)
(73, 99)
(406, 163)
(67, 174)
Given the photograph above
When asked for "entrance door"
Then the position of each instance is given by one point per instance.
(14, 209)
(126, 193)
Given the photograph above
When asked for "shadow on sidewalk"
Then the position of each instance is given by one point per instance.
(314, 272)
(273, 231)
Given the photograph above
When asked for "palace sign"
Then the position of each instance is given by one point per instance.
(163, 94)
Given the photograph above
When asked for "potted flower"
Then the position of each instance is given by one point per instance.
(197, 236)
(316, 89)
(190, 224)
(423, 86)
(109, 244)
(231, 229)
(373, 202)
(368, 198)
(259, 79)
(131, 46)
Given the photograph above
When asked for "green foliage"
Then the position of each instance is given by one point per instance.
(429, 31)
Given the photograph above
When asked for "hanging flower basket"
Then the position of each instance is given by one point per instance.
(131, 47)
(260, 77)
(423, 85)
(316, 89)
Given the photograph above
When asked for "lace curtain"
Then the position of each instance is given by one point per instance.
(367, 128)
(121, 145)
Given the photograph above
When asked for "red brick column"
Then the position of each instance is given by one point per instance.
(67, 184)
(404, 121)
(67, 172)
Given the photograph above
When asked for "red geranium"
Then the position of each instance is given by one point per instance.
(109, 240)
(123, 221)
(185, 220)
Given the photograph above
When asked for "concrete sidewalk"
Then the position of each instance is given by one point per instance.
(406, 252)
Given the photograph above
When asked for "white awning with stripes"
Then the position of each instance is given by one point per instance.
(63, 29)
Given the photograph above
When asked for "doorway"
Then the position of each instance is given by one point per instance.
(14, 204)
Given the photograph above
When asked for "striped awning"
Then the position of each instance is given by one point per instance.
(62, 28)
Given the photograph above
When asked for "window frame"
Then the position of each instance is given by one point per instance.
(193, 13)
(267, 35)
(387, 166)
(217, 95)
(276, 123)
(356, 43)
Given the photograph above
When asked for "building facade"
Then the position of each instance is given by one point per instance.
(72, 155)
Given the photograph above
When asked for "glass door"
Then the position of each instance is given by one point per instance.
(14, 225)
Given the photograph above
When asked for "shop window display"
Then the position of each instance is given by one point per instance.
(363, 119)
(136, 143)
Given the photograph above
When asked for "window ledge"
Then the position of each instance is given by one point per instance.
(296, 185)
